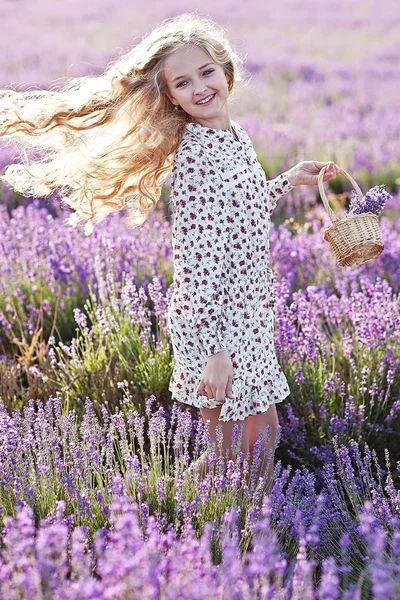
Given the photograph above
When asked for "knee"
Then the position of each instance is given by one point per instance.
(275, 425)
(273, 417)
(271, 426)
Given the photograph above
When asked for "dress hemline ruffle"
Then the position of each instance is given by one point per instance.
(257, 401)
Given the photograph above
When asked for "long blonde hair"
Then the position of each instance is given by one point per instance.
(108, 142)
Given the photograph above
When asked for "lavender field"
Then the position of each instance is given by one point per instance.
(99, 498)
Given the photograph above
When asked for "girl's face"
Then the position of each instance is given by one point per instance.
(192, 76)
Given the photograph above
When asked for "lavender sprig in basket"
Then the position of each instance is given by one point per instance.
(356, 237)
(373, 202)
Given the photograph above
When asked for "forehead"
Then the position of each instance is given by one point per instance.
(184, 60)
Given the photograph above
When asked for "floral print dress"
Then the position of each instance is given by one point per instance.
(223, 287)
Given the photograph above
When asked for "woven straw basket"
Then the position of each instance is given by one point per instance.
(354, 239)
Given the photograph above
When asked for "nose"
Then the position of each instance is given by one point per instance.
(199, 89)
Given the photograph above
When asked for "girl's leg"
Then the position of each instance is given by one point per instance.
(212, 414)
(257, 423)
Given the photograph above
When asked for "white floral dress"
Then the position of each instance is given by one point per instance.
(223, 286)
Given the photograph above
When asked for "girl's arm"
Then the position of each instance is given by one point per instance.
(201, 234)
(278, 187)
(304, 173)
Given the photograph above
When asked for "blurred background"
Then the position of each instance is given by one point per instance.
(325, 75)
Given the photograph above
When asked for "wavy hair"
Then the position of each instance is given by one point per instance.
(108, 142)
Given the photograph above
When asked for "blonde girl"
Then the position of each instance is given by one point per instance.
(108, 143)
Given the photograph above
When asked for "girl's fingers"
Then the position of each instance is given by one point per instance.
(332, 169)
(201, 390)
(211, 395)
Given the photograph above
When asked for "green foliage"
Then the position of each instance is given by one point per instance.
(112, 349)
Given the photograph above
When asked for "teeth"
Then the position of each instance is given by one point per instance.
(205, 99)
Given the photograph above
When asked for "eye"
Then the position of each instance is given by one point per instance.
(205, 72)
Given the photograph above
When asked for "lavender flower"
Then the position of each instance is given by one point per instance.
(373, 202)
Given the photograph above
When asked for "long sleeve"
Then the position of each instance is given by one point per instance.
(277, 188)
(200, 238)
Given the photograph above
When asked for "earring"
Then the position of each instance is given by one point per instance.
(176, 106)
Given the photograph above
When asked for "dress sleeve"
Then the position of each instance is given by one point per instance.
(201, 229)
(278, 187)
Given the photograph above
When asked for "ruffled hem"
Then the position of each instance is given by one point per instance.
(248, 398)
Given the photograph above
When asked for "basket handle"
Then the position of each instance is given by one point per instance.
(323, 195)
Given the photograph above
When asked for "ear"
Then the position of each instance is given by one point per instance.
(171, 98)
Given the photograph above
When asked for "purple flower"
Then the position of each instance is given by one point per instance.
(373, 201)
(160, 489)
(46, 306)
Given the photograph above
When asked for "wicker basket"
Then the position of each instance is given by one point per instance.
(354, 239)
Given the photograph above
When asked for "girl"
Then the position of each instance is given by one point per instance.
(110, 141)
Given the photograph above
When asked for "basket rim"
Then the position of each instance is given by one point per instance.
(352, 217)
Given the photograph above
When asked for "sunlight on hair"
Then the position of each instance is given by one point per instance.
(106, 143)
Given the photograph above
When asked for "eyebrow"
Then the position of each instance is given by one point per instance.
(199, 69)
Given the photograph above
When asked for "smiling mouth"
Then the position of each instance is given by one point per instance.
(206, 101)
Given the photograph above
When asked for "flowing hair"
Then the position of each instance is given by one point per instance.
(108, 142)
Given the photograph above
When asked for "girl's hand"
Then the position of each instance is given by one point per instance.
(216, 382)
(306, 172)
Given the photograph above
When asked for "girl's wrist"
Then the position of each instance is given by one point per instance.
(292, 176)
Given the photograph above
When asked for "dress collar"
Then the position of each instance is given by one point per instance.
(216, 134)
